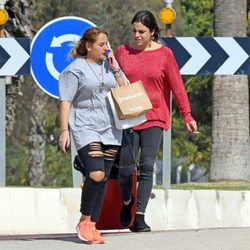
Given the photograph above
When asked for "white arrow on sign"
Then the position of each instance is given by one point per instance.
(57, 41)
(237, 56)
(18, 56)
(199, 55)
(50, 66)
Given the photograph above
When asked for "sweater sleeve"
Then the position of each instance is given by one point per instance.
(176, 84)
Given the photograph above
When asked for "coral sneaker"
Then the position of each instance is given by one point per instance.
(84, 231)
(97, 238)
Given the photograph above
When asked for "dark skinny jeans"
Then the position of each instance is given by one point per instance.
(93, 192)
(148, 140)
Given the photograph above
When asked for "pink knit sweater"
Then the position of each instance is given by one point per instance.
(159, 73)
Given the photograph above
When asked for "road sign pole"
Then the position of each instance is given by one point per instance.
(167, 16)
(2, 133)
(166, 168)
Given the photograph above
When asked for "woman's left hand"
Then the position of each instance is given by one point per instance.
(192, 127)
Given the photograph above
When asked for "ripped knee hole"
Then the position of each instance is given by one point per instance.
(97, 176)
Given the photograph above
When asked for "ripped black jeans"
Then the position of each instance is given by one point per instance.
(95, 157)
(148, 141)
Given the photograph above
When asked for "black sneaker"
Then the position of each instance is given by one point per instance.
(126, 212)
(140, 224)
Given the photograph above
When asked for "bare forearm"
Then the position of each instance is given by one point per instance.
(119, 77)
(64, 115)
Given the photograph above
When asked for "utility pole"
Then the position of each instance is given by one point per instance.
(3, 20)
(167, 16)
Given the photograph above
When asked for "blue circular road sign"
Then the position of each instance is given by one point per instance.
(50, 50)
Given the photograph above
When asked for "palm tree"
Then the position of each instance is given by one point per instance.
(230, 153)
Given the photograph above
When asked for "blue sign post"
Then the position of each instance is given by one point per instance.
(50, 50)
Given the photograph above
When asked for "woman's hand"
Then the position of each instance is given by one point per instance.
(192, 127)
(111, 60)
(64, 141)
(113, 65)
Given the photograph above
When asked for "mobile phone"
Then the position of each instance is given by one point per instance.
(108, 50)
(110, 59)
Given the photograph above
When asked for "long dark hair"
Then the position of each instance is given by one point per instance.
(89, 36)
(147, 18)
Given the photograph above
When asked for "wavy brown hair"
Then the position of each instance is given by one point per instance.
(89, 36)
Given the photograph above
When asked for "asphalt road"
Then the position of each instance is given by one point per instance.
(206, 239)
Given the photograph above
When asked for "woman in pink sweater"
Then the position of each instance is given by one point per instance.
(147, 60)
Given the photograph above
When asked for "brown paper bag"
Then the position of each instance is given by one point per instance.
(131, 100)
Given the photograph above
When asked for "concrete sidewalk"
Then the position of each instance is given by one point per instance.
(207, 239)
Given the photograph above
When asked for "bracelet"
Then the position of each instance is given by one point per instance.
(117, 75)
(117, 71)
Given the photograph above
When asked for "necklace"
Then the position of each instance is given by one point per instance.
(99, 80)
